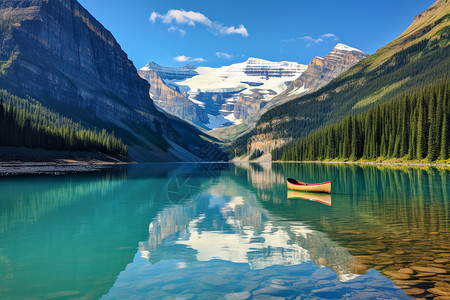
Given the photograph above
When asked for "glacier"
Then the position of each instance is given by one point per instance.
(219, 90)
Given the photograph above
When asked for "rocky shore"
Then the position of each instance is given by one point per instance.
(21, 161)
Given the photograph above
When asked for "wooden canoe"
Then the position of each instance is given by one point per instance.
(316, 197)
(324, 187)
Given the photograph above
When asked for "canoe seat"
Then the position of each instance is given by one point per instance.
(324, 187)
(294, 181)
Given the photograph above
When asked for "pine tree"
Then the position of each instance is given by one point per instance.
(355, 138)
(445, 138)
(420, 130)
(2, 117)
(347, 131)
(404, 138)
(445, 135)
(432, 129)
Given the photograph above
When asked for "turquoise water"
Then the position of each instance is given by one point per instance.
(212, 231)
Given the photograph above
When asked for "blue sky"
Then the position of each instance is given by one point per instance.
(216, 33)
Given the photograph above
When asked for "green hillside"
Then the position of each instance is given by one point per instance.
(411, 127)
(26, 123)
(419, 57)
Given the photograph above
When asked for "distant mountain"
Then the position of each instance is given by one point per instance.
(228, 94)
(322, 70)
(171, 74)
(57, 53)
(419, 56)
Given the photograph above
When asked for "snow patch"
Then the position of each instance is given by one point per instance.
(231, 118)
(239, 77)
(343, 47)
(298, 91)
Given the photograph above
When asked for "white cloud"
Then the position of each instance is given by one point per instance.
(230, 30)
(182, 58)
(312, 41)
(176, 29)
(330, 35)
(224, 55)
(191, 18)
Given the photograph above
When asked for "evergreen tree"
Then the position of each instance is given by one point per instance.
(404, 137)
(421, 128)
(445, 138)
(433, 133)
(2, 125)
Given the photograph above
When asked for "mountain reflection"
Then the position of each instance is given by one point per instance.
(207, 230)
(227, 222)
(386, 218)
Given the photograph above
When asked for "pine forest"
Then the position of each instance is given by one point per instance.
(26, 123)
(411, 127)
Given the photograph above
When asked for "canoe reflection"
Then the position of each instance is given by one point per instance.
(317, 197)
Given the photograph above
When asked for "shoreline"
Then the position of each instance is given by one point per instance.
(377, 163)
(22, 161)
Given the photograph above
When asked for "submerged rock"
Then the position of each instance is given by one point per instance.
(397, 275)
(406, 271)
(429, 269)
(238, 296)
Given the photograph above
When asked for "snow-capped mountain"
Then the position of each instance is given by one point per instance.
(322, 70)
(217, 90)
(231, 94)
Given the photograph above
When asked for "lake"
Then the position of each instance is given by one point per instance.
(226, 231)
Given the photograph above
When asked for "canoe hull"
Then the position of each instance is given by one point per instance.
(324, 187)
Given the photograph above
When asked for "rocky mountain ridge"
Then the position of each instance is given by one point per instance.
(322, 70)
(56, 52)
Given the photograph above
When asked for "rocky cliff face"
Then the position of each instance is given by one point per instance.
(249, 104)
(172, 101)
(322, 70)
(64, 54)
(56, 52)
